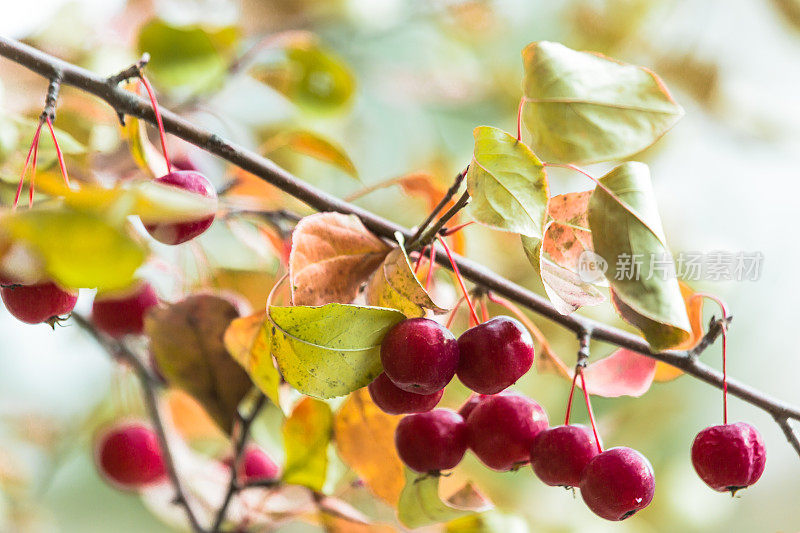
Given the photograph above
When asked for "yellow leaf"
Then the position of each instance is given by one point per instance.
(365, 441)
(248, 340)
(306, 435)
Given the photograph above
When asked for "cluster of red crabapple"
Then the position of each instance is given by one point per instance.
(507, 430)
(420, 357)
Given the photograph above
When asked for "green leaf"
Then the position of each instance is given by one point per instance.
(311, 76)
(330, 350)
(420, 504)
(313, 145)
(186, 340)
(507, 183)
(78, 249)
(395, 286)
(584, 107)
(626, 230)
(190, 58)
(307, 433)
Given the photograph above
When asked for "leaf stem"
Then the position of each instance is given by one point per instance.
(519, 118)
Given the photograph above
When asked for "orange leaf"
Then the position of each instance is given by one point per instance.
(623, 373)
(189, 417)
(365, 439)
(332, 255)
(694, 308)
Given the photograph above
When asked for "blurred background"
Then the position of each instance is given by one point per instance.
(406, 83)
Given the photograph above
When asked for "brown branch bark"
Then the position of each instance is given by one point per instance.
(125, 103)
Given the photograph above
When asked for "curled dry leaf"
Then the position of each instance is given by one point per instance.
(306, 435)
(365, 441)
(625, 225)
(186, 340)
(420, 504)
(332, 255)
(395, 286)
(567, 94)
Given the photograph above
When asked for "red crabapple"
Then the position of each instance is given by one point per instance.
(396, 401)
(432, 441)
(419, 355)
(34, 304)
(494, 355)
(129, 456)
(180, 232)
(502, 429)
(729, 457)
(559, 454)
(123, 314)
(472, 402)
(617, 483)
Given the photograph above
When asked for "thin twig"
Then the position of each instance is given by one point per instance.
(791, 436)
(125, 103)
(442, 203)
(150, 384)
(432, 231)
(238, 451)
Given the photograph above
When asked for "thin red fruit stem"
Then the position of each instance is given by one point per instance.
(569, 400)
(419, 259)
(589, 409)
(484, 310)
(161, 133)
(724, 309)
(60, 155)
(431, 266)
(33, 168)
(34, 142)
(460, 280)
(519, 118)
(456, 229)
(453, 312)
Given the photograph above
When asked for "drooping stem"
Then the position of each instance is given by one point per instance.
(569, 400)
(453, 312)
(579, 371)
(161, 133)
(452, 231)
(59, 154)
(431, 266)
(34, 143)
(460, 280)
(724, 325)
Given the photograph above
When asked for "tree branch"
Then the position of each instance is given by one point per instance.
(127, 103)
(150, 383)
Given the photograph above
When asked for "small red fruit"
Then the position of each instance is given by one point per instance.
(432, 441)
(472, 402)
(129, 456)
(419, 355)
(559, 454)
(34, 304)
(729, 457)
(124, 314)
(257, 465)
(396, 401)
(502, 429)
(494, 355)
(180, 232)
(617, 483)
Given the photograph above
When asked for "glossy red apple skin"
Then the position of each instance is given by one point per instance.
(129, 456)
(35, 304)
(432, 441)
(560, 454)
(472, 402)
(618, 483)
(124, 315)
(494, 355)
(395, 401)
(419, 355)
(729, 457)
(502, 429)
(179, 232)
